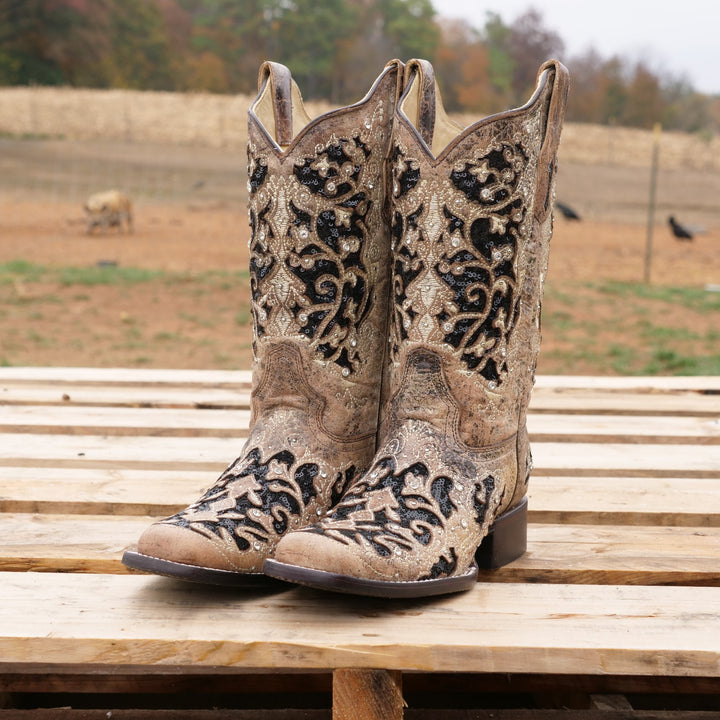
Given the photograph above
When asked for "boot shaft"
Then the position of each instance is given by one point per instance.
(471, 224)
(319, 252)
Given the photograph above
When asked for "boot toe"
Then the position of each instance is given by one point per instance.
(174, 551)
(317, 552)
(318, 561)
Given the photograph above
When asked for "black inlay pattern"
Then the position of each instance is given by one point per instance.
(323, 249)
(390, 511)
(483, 493)
(475, 255)
(253, 497)
(444, 567)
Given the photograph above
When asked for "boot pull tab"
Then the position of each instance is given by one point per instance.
(398, 67)
(426, 103)
(560, 82)
(281, 87)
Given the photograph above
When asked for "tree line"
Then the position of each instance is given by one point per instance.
(335, 49)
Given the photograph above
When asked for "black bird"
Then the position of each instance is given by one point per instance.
(567, 211)
(680, 232)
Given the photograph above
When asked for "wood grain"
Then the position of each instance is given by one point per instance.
(579, 554)
(136, 376)
(111, 619)
(603, 500)
(367, 694)
(27, 449)
(70, 419)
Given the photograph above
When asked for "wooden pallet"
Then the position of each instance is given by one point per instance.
(619, 591)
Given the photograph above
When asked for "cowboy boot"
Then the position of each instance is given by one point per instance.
(319, 276)
(471, 229)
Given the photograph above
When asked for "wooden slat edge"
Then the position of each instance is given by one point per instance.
(113, 619)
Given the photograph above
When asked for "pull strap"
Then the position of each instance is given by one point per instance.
(426, 103)
(559, 78)
(281, 86)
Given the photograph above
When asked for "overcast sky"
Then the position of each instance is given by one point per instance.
(680, 38)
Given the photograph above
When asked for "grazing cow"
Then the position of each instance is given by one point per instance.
(108, 209)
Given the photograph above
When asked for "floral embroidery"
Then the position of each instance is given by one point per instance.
(309, 245)
(455, 254)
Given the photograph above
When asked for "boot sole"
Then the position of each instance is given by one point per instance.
(506, 541)
(194, 573)
(323, 580)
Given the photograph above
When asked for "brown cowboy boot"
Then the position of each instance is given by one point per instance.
(320, 272)
(471, 226)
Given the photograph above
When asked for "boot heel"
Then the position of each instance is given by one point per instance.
(506, 540)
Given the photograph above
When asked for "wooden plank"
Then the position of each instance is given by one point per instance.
(581, 554)
(611, 554)
(550, 427)
(125, 376)
(67, 713)
(70, 713)
(24, 449)
(106, 376)
(79, 420)
(576, 401)
(367, 694)
(565, 499)
(88, 394)
(640, 383)
(631, 460)
(67, 543)
(108, 451)
(111, 491)
(556, 427)
(55, 678)
(583, 402)
(129, 620)
(623, 500)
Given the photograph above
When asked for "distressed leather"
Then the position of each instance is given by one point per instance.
(471, 226)
(319, 274)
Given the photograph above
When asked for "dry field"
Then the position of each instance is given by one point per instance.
(175, 293)
(219, 121)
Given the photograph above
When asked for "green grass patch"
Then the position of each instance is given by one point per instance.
(107, 275)
(243, 317)
(553, 294)
(692, 298)
(662, 333)
(203, 322)
(165, 337)
(22, 270)
(665, 361)
(622, 358)
(92, 275)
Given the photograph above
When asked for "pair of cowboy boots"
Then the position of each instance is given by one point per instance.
(397, 263)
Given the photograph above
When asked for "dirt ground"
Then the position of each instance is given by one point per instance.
(196, 312)
(183, 238)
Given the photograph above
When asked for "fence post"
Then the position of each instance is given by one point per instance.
(651, 205)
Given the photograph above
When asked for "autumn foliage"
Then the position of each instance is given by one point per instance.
(335, 49)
